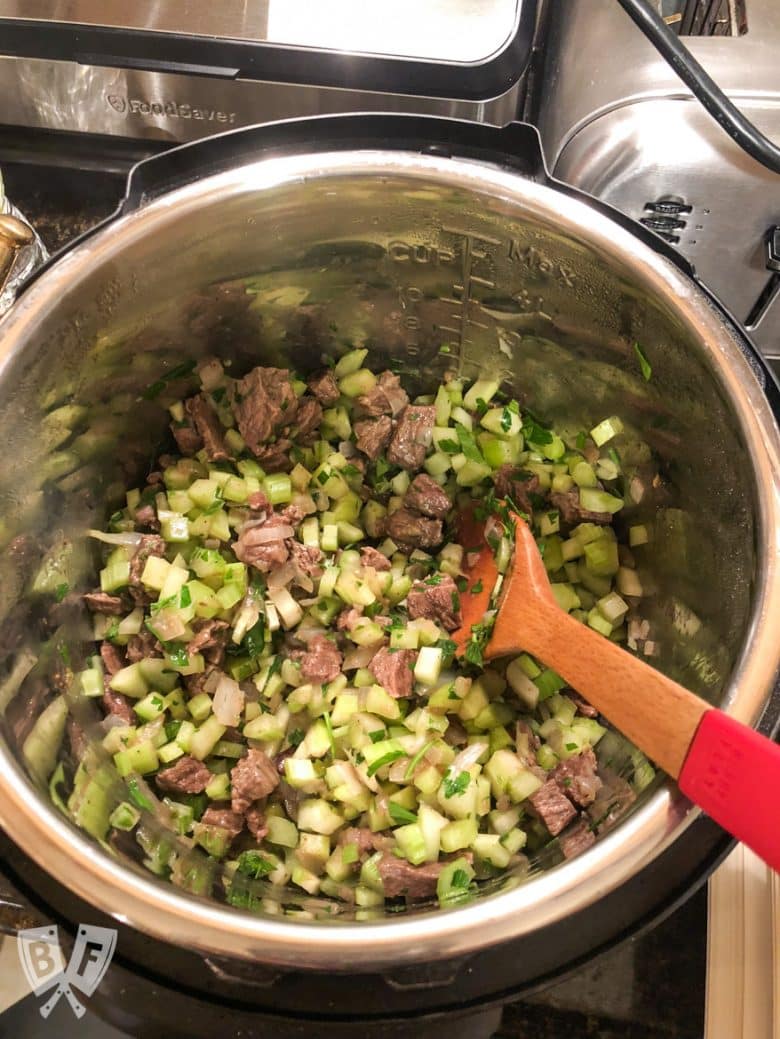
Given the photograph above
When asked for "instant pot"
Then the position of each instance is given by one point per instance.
(287, 243)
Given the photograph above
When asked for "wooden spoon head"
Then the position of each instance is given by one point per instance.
(526, 586)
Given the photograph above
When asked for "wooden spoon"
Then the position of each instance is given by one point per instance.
(727, 768)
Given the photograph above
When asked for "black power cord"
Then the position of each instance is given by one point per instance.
(668, 45)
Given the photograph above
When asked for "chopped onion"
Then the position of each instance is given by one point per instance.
(212, 681)
(305, 503)
(263, 534)
(211, 374)
(228, 701)
(126, 537)
(360, 656)
(280, 577)
(303, 580)
(463, 761)
(290, 612)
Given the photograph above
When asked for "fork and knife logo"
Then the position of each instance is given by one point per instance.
(44, 966)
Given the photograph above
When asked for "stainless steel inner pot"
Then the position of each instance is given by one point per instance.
(434, 262)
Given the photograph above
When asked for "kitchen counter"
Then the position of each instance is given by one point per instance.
(650, 987)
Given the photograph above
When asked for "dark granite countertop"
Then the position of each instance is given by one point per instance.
(650, 987)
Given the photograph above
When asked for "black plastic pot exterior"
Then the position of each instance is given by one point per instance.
(672, 849)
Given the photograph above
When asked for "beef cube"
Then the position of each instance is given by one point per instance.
(255, 822)
(253, 549)
(572, 513)
(224, 818)
(410, 530)
(307, 419)
(263, 401)
(372, 557)
(349, 618)
(117, 704)
(577, 779)
(147, 517)
(101, 602)
(426, 496)
(576, 839)
(188, 439)
(150, 545)
(584, 708)
(549, 804)
(185, 776)
(435, 599)
(111, 656)
(258, 502)
(321, 662)
(206, 422)
(412, 436)
(365, 839)
(373, 435)
(143, 646)
(393, 670)
(276, 457)
(324, 387)
(305, 558)
(252, 777)
(387, 397)
(401, 879)
(520, 485)
(210, 639)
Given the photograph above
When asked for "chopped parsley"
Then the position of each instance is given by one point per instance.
(254, 641)
(477, 587)
(178, 655)
(377, 735)
(178, 372)
(582, 439)
(386, 759)
(480, 636)
(506, 420)
(534, 432)
(137, 796)
(399, 814)
(252, 864)
(468, 444)
(453, 787)
(460, 879)
(61, 591)
(296, 737)
(644, 364)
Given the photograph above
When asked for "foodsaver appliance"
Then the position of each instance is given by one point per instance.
(161, 73)
(630, 132)
(396, 231)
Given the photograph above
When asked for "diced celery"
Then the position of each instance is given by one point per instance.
(565, 596)
(140, 757)
(638, 535)
(129, 681)
(488, 847)
(628, 582)
(460, 833)
(514, 840)
(584, 475)
(502, 422)
(379, 702)
(453, 883)
(601, 557)
(411, 842)
(170, 752)
(282, 832)
(471, 473)
(349, 362)
(606, 430)
(124, 817)
(599, 501)
(357, 383)
(428, 665)
(319, 816)
(206, 737)
(155, 572)
(613, 607)
(482, 390)
(150, 707)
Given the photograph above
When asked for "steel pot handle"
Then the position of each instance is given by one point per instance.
(516, 145)
(14, 236)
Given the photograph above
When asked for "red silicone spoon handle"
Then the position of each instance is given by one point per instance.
(733, 773)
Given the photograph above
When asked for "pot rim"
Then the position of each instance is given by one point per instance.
(159, 909)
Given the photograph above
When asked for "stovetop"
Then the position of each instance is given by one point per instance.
(650, 987)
